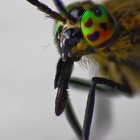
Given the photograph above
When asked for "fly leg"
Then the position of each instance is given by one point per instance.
(110, 90)
(91, 101)
(79, 83)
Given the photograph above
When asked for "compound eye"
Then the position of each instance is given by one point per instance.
(96, 10)
(98, 26)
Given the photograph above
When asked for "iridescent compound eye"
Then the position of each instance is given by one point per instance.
(98, 26)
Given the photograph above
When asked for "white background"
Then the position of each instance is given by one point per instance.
(28, 59)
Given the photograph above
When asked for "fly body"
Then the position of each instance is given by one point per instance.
(110, 34)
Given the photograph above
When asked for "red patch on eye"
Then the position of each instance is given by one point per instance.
(89, 23)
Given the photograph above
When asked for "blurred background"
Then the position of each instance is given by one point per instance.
(28, 58)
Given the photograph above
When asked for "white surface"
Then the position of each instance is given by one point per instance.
(27, 68)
